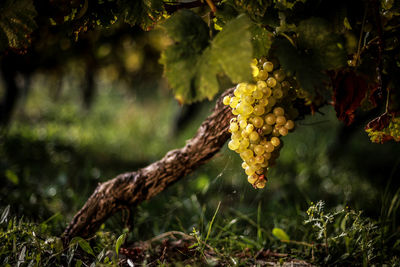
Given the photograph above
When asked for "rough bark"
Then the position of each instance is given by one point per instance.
(129, 189)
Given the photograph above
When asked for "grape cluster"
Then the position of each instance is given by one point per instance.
(391, 132)
(261, 119)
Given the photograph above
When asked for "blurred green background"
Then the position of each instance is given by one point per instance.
(57, 148)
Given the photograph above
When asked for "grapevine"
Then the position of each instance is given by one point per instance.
(263, 114)
(383, 129)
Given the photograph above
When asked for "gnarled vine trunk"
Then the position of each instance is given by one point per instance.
(129, 189)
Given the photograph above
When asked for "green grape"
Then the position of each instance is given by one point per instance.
(259, 159)
(254, 71)
(266, 129)
(258, 94)
(271, 82)
(238, 92)
(280, 120)
(275, 141)
(254, 137)
(234, 127)
(269, 147)
(260, 117)
(244, 165)
(278, 111)
(267, 155)
(275, 131)
(242, 124)
(250, 171)
(262, 75)
(285, 85)
(289, 125)
(283, 131)
(233, 145)
(270, 119)
(261, 184)
(263, 102)
(247, 154)
(258, 122)
(277, 93)
(226, 100)
(252, 178)
(259, 110)
(279, 75)
(249, 128)
(259, 149)
(268, 66)
(271, 101)
(234, 101)
(249, 99)
(247, 109)
(261, 85)
(244, 145)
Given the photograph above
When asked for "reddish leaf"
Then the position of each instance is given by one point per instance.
(379, 123)
(349, 89)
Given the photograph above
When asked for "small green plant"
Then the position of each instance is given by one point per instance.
(30, 244)
(347, 236)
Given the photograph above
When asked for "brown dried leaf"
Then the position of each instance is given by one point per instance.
(349, 89)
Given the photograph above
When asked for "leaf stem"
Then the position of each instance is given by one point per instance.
(288, 38)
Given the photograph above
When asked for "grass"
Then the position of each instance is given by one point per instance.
(55, 153)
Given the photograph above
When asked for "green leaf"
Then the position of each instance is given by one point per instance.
(208, 68)
(190, 35)
(233, 50)
(308, 74)
(16, 23)
(318, 50)
(120, 241)
(78, 263)
(325, 47)
(261, 40)
(83, 244)
(145, 13)
(192, 64)
(12, 177)
(280, 234)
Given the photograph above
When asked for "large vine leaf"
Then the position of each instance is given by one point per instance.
(193, 62)
(144, 13)
(190, 35)
(308, 74)
(16, 23)
(233, 50)
(261, 40)
(318, 50)
(324, 46)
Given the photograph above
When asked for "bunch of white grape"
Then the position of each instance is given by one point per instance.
(261, 119)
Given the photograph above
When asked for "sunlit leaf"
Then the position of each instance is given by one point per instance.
(12, 177)
(192, 64)
(120, 241)
(280, 234)
(83, 244)
(233, 50)
(17, 21)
